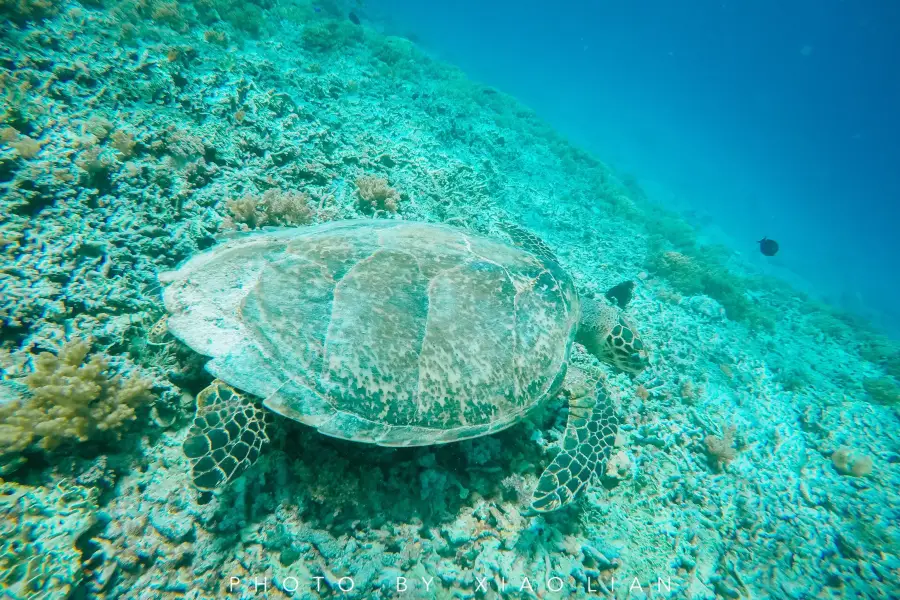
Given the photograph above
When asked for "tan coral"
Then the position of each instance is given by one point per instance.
(73, 398)
(847, 461)
(375, 194)
(124, 142)
(274, 207)
(27, 147)
(721, 449)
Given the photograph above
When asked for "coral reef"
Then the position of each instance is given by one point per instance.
(132, 133)
(39, 556)
(20, 11)
(882, 390)
(701, 272)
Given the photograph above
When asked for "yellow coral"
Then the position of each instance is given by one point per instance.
(72, 398)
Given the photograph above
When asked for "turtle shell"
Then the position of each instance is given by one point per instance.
(390, 332)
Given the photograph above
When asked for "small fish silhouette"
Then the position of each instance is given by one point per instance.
(768, 247)
(354, 18)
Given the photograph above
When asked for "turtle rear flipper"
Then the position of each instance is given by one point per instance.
(589, 438)
(226, 437)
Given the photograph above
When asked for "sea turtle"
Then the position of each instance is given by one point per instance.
(393, 333)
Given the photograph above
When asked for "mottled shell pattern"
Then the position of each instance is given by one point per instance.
(390, 332)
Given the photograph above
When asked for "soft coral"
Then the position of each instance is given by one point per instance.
(72, 398)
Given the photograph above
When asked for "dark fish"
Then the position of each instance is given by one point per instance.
(489, 91)
(354, 18)
(768, 247)
(621, 294)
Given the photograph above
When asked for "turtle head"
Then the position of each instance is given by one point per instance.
(607, 334)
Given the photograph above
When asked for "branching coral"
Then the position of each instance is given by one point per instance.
(375, 194)
(168, 13)
(243, 16)
(72, 398)
(892, 365)
(322, 36)
(327, 35)
(26, 147)
(123, 142)
(882, 351)
(274, 207)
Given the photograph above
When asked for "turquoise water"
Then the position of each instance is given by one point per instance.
(751, 119)
(175, 283)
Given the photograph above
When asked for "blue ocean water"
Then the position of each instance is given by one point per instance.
(753, 119)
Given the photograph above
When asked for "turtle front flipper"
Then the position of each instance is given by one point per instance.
(589, 438)
(226, 437)
(529, 242)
